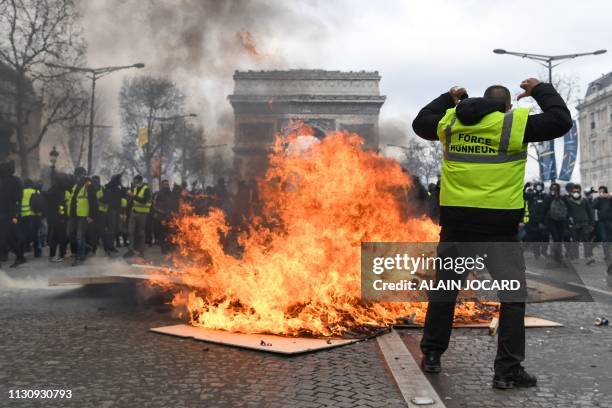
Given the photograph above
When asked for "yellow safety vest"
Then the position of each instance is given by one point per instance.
(142, 208)
(63, 208)
(483, 165)
(26, 210)
(82, 201)
(102, 207)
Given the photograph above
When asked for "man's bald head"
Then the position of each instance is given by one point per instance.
(499, 93)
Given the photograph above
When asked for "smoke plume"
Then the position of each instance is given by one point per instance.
(198, 44)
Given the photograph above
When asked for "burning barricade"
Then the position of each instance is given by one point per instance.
(299, 270)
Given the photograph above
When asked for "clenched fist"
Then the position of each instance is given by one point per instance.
(528, 86)
(457, 94)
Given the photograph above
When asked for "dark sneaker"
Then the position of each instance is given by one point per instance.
(129, 254)
(18, 262)
(431, 363)
(520, 378)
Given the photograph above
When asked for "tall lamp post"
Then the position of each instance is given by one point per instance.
(161, 142)
(548, 61)
(53, 154)
(94, 74)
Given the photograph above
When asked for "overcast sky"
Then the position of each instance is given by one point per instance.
(420, 48)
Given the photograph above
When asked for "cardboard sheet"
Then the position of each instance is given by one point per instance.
(260, 342)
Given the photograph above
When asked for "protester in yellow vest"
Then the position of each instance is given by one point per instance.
(141, 199)
(81, 209)
(31, 212)
(484, 146)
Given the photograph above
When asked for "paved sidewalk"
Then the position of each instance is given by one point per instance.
(92, 342)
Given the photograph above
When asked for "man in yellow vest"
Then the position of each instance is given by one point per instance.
(141, 199)
(31, 211)
(484, 146)
(81, 209)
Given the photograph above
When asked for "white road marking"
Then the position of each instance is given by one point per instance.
(409, 378)
(605, 292)
(579, 285)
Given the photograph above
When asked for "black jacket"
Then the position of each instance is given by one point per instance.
(579, 211)
(538, 205)
(604, 208)
(554, 121)
(113, 193)
(11, 192)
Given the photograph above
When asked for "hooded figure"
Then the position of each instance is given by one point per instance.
(10, 213)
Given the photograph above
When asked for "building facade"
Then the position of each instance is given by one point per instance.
(265, 101)
(595, 130)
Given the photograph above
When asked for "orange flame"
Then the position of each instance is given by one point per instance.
(247, 41)
(299, 271)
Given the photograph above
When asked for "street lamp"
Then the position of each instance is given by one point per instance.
(53, 154)
(547, 60)
(94, 75)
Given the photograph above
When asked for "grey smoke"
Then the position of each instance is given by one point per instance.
(195, 43)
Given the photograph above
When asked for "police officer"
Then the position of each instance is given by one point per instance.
(537, 233)
(481, 200)
(140, 197)
(81, 209)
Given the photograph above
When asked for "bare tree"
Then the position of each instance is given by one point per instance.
(143, 101)
(34, 33)
(422, 158)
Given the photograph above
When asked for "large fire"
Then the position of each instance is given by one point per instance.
(299, 267)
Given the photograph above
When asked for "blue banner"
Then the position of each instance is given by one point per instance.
(548, 164)
(570, 150)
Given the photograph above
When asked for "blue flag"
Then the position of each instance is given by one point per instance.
(570, 149)
(548, 164)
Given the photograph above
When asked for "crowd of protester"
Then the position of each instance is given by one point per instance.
(78, 216)
(570, 218)
(573, 220)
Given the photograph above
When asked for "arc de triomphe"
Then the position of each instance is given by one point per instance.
(265, 101)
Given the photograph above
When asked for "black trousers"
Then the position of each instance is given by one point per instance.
(503, 261)
(77, 230)
(58, 236)
(30, 229)
(11, 238)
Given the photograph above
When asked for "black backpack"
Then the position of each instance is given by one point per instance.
(558, 210)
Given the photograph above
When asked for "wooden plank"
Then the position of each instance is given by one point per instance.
(260, 342)
(530, 321)
(409, 378)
